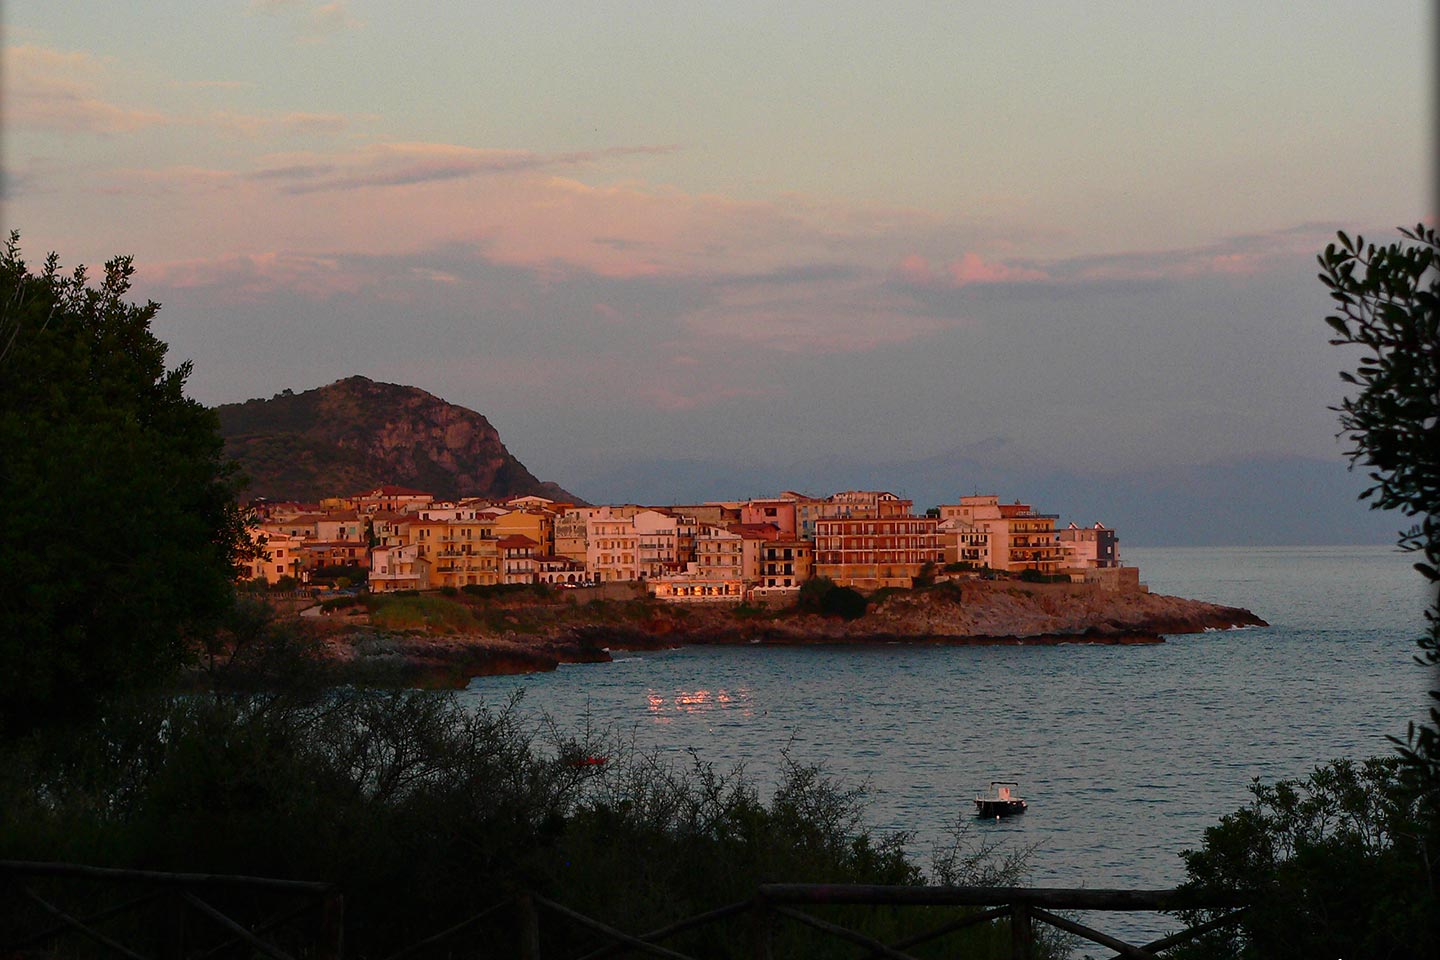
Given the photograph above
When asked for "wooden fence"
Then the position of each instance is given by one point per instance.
(69, 910)
(1020, 909)
(176, 916)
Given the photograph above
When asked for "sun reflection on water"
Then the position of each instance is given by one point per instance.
(663, 708)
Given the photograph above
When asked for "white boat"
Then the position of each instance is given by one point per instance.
(1002, 800)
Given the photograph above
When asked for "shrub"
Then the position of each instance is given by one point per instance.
(425, 812)
(845, 603)
(397, 612)
(1333, 865)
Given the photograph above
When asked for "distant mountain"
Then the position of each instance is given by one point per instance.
(1293, 501)
(356, 434)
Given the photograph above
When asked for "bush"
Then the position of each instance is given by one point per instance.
(821, 595)
(397, 612)
(500, 590)
(425, 812)
(352, 573)
(1035, 576)
(1333, 865)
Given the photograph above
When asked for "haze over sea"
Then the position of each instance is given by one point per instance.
(1126, 753)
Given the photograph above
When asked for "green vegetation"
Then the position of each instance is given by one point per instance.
(396, 612)
(305, 445)
(426, 812)
(1387, 302)
(821, 595)
(1347, 862)
(120, 547)
(1035, 576)
(540, 591)
(1334, 865)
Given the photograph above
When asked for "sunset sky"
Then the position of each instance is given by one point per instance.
(1077, 233)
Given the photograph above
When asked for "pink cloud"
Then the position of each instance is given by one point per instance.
(972, 268)
(242, 277)
(64, 90)
(916, 269)
(286, 124)
(389, 165)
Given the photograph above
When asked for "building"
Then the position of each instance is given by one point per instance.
(880, 545)
(517, 559)
(570, 533)
(281, 555)
(611, 545)
(1019, 538)
(1089, 547)
(963, 542)
(464, 552)
(657, 544)
(784, 565)
(398, 568)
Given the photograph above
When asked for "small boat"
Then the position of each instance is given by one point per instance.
(1001, 801)
(584, 761)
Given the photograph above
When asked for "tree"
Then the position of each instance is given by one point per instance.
(1388, 302)
(1345, 862)
(121, 533)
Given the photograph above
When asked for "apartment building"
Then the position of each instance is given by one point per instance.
(1094, 547)
(883, 546)
(611, 545)
(1019, 538)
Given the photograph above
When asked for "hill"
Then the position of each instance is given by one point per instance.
(356, 434)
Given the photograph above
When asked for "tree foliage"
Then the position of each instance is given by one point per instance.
(1387, 302)
(1334, 865)
(121, 533)
(425, 810)
(824, 596)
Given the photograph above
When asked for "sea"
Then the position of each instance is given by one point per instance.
(1126, 754)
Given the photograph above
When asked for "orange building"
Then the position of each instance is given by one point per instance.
(886, 548)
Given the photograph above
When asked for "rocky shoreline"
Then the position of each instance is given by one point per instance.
(975, 613)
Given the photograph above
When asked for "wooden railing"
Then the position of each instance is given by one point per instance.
(143, 915)
(50, 909)
(1021, 909)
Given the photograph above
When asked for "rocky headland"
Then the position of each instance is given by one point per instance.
(526, 636)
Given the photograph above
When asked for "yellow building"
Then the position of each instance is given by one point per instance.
(533, 522)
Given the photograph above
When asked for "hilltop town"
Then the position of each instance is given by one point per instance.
(758, 551)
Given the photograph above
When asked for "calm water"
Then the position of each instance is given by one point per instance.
(1126, 753)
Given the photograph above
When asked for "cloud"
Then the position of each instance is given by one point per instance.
(316, 20)
(825, 317)
(285, 124)
(64, 90)
(1241, 254)
(214, 84)
(241, 277)
(972, 268)
(382, 165)
(331, 18)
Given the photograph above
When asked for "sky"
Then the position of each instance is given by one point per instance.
(1073, 234)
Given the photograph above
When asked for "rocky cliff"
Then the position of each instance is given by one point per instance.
(356, 434)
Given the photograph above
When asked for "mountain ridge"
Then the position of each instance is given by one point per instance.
(358, 433)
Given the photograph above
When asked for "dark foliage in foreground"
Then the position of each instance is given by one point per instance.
(1347, 862)
(121, 533)
(1334, 865)
(1387, 302)
(425, 812)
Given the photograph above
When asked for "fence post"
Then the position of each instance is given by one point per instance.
(332, 926)
(762, 924)
(529, 927)
(1022, 934)
(175, 930)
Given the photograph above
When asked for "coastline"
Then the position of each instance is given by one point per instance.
(534, 638)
